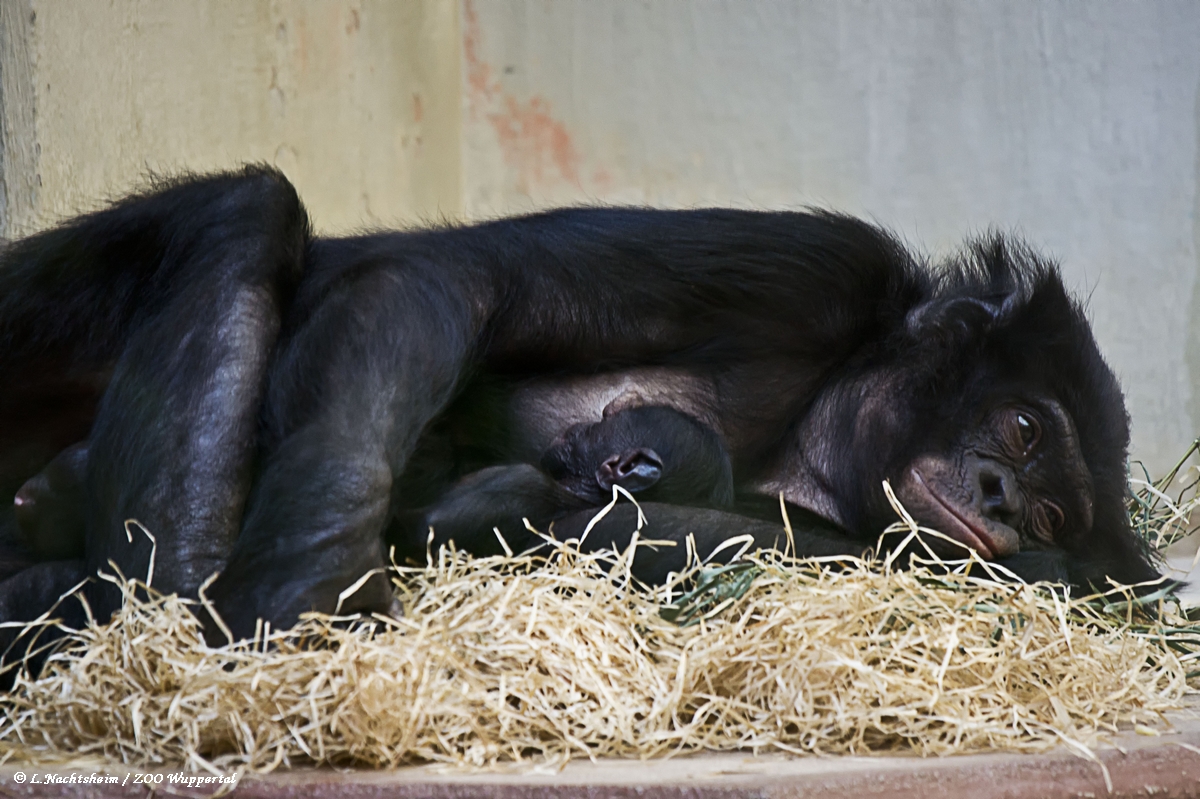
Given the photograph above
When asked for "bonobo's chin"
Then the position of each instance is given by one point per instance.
(923, 491)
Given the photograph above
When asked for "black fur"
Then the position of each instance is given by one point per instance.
(255, 396)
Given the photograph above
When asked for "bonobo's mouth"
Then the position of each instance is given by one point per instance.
(953, 524)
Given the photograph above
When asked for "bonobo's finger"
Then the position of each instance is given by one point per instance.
(709, 528)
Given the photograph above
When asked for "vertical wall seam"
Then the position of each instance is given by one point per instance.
(20, 180)
(1192, 345)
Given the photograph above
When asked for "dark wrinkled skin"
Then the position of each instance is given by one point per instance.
(267, 402)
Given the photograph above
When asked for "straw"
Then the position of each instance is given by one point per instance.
(536, 660)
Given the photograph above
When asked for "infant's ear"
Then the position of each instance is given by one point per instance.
(623, 402)
(634, 470)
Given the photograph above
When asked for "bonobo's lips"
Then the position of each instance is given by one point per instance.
(962, 530)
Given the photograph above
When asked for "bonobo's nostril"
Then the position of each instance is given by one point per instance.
(998, 498)
(993, 487)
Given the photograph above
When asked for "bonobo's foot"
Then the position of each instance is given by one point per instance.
(24, 597)
(308, 551)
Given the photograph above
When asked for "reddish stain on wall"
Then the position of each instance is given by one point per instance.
(602, 179)
(479, 73)
(533, 142)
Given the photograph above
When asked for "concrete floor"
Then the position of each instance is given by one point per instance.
(1139, 766)
(1184, 564)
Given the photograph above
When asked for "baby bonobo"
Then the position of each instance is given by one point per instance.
(657, 453)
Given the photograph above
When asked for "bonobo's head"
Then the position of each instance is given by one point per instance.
(992, 413)
(658, 452)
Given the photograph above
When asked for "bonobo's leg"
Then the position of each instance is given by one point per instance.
(174, 437)
(709, 529)
(175, 294)
(370, 362)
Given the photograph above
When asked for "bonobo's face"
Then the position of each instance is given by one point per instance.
(659, 451)
(994, 417)
(1015, 482)
(588, 459)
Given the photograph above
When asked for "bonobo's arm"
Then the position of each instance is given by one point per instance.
(1034, 567)
(385, 328)
(166, 306)
(502, 497)
(709, 529)
(712, 527)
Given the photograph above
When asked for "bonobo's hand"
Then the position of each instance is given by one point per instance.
(1086, 576)
(499, 497)
(1038, 566)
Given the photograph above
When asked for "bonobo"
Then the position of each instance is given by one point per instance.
(260, 397)
(658, 453)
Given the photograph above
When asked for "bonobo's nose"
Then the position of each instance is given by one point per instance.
(997, 496)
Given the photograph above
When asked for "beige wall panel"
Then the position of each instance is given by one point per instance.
(20, 192)
(356, 102)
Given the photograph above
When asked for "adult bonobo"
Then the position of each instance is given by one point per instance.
(264, 401)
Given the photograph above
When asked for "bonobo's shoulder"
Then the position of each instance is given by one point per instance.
(602, 220)
(633, 221)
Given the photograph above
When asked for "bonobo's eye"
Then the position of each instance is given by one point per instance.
(1027, 432)
(1028, 429)
(1048, 519)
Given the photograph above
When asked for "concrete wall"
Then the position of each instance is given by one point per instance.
(357, 102)
(1075, 123)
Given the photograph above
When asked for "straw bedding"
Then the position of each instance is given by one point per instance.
(543, 659)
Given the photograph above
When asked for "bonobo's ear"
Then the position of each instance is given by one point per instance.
(634, 470)
(958, 315)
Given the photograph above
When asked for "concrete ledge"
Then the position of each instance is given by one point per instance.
(1140, 766)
